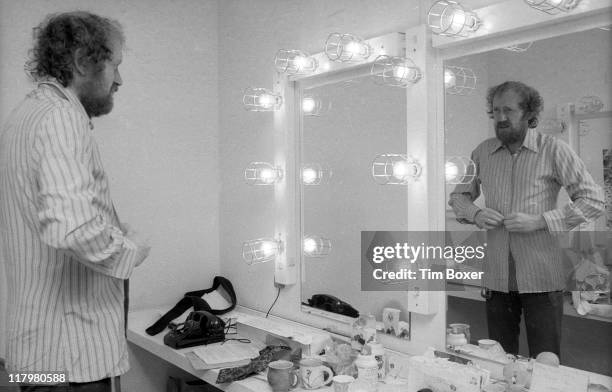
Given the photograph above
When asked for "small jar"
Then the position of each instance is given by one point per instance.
(367, 368)
(456, 339)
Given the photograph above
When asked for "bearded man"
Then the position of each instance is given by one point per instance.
(521, 172)
(68, 256)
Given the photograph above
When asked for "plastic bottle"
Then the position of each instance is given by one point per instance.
(370, 329)
(378, 351)
(367, 369)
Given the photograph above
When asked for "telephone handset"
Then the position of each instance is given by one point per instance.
(332, 304)
(201, 327)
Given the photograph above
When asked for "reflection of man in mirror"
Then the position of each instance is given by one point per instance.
(521, 172)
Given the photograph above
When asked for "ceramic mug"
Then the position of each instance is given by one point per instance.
(487, 344)
(342, 383)
(281, 376)
(313, 374)
(391, 318)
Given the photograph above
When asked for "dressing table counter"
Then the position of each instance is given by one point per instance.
(140, 320)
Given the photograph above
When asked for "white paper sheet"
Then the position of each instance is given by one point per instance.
(231, 351)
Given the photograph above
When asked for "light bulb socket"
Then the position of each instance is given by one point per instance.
(589, 104)
(314, 105)
(449, 18)
(395, 71)
(261, 250)
(294, 62)
(459, 80)
(316, 246)
(316, 174)
(553, 7)
(262, 173)
(257, 99)
(459, 170)
(346, 48)
(395, 169)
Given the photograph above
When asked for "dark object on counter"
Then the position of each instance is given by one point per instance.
(452, 357)
(200, 328)
(194, 298)
(332, 304)
(425, 390)
(257, 365)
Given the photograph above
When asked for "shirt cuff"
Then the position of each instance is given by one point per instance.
(126, 256)
(471, 211)
(555, 220)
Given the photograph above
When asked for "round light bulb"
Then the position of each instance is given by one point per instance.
(310, 245)
(400, 170)
(450, 79)
(353, 48)
(309, 175)
(457, 21)
(308, 105)
(451, 170)
(400, 72)
(267, 176)
(267, 248)
(300, 62)
(266, 101)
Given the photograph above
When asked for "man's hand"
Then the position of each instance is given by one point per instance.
(524, 223)
(488, 218)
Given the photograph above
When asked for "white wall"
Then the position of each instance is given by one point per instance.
(563, 68)
(160, 143)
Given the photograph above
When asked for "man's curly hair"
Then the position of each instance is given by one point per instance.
(58, 37)
(531, 101)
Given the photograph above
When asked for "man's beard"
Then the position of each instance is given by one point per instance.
(508, 134)
(97, 105)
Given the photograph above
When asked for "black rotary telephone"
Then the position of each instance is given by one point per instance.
(201, 327)
(332, 304)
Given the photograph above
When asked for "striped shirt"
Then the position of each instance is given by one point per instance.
(528, 181)
(65, 253)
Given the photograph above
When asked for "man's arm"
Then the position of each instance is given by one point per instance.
(464, 207)
(463, 196)
(71, 212)
(462, 202)
(587, 197)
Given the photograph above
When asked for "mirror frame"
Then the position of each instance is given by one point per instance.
(427, 309)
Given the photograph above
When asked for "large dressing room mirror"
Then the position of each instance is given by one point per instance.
(346, 124)
(572, 73)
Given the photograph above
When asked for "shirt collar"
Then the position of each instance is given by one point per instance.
(530, 142)
(69, 95)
